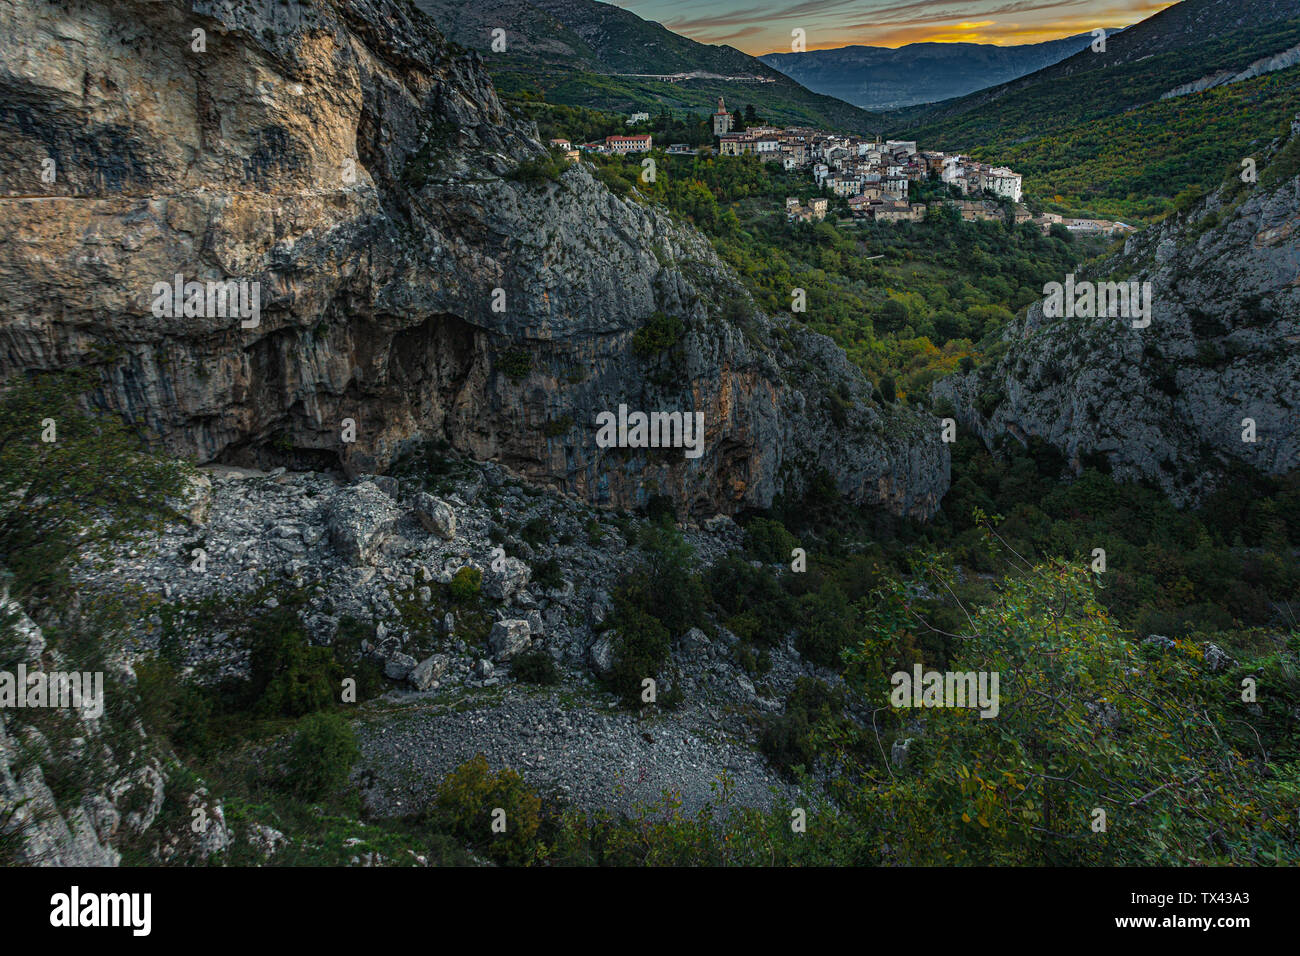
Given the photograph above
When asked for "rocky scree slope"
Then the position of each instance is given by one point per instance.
(370, 563)
(1166, 403)
(342, 156)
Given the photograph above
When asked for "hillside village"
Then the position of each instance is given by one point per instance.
(874, 178)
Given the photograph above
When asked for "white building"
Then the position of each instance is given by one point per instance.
(1003, 182)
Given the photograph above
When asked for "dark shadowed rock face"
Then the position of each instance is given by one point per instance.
(343, 158)
(1167, 403)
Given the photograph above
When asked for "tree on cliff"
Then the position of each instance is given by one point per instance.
(71, 482)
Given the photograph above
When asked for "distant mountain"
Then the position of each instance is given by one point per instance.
(881, 78)
(1184, 44)
(586, 53)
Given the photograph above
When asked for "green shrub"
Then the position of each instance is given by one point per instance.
(665, 585)
(660, 333)
(536, 531)
(53, 508)
(321, 756)
(466, 802)
(543, 169)
(829, 628)
(288, 676)
(788, 740)
(535, 667)
(547, 575)
(768, 541)
(611, 177)
(516, 364)
(641, 648)
(465, 584)
(172, 710)
(661, 510)
(361, 667)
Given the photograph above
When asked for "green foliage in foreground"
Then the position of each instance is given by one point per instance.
(1087, 722)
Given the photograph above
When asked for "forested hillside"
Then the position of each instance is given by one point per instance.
(591, 54)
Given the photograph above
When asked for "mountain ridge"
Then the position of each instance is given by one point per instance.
(889, 78)
(584, 53)
(1138, 65)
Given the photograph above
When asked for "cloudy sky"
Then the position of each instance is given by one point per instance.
(764, 26)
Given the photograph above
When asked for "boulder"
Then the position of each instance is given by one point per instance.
(195, 499)
(898, 752)
(602, 655)
(429, 670)
(1217, 658)
(695, 642)
(266, 840)
(435, 515)
(506, 578)
(360, 519)
(719, 523)
(399, 666)
(536, 624)
(562, 594)
(387, 484)
(600, 607)
(509, 638)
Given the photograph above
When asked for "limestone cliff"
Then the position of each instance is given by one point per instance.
(363, 173)
(1176, 402)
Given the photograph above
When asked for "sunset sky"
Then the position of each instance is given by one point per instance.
(764, 26)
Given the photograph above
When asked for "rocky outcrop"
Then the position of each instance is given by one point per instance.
(1176, 402)
(364, 183)
(1267, 64)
